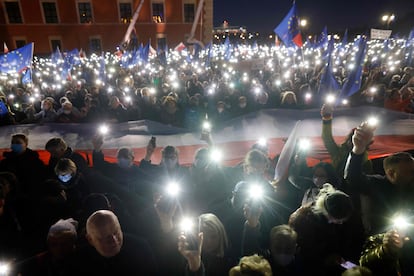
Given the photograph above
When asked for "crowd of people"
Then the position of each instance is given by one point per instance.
(72, 217)
(181, 92)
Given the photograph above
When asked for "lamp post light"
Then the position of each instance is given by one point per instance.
(387, 19)
(303, 22)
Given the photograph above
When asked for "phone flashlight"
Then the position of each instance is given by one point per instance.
(256, 192)
(255, 197)
(372, 122)
(304, 144)
(4, 268)
(330, 99)
(206, 126)
(103, 129)
(216, 155)
(401, 223)
(172, 189)
(262, 142)
(188, 226)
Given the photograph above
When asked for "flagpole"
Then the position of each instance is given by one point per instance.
(132, 23)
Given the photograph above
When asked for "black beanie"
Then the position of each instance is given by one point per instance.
(338, 205)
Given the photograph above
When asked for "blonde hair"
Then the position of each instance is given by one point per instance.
(252, 265)
(65, 165)
(212, 222)
(286, 94)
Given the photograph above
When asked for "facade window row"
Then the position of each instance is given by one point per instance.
(56, 42)
(50, 12)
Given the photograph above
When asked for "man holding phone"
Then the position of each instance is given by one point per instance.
(388, 194)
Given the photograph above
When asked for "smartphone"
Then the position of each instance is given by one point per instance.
(348, 265)
(191, 237)
(192, 241)
(153, 141)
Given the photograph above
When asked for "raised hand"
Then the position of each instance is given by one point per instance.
(193, 257)
(326, 111)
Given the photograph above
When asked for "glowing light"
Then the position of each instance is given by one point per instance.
(186, 225)
(401, 222)
(373, 121)
(330, 99)
(172, 189)
(304, 144)
(256, 192)
(262, 142)
(216, 155)
(103, 129)
(4, 269)
(206, 126)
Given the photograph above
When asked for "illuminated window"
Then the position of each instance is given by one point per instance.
(189, 12)
(125, 11)
(50, 12)
(85, 12)
(96, 44)
(13, 12)
(158, 12)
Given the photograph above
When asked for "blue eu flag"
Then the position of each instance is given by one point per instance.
(288, 29)
(17, 60)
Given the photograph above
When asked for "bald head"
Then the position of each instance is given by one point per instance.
(104, 233)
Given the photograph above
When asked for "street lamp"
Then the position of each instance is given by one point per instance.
(303, 22)
(387, 19)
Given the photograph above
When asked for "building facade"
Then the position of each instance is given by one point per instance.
(100, 25)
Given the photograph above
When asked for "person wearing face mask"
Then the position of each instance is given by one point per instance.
(148, 104)
(253, 209)
(209, 181)
(168, 170)
(24, 163)
(74, 184)
(322, 173)
(219, 115)
(58, 149)
(68, 115)
(128, 176)
(243, 107)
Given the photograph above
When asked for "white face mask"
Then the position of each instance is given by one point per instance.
(65, 178)
(283, 259)
(319, 181)
(370, 99)
(220, 110)
(67, 112)
(124, 163)
(242, 105)
(170, 163)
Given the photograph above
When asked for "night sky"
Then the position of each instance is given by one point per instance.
(265, 15)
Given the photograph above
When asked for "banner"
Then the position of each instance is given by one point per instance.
(395, 133)
(380, 34)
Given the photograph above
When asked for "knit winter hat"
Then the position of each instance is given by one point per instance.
(64, 226)
(338, 205)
